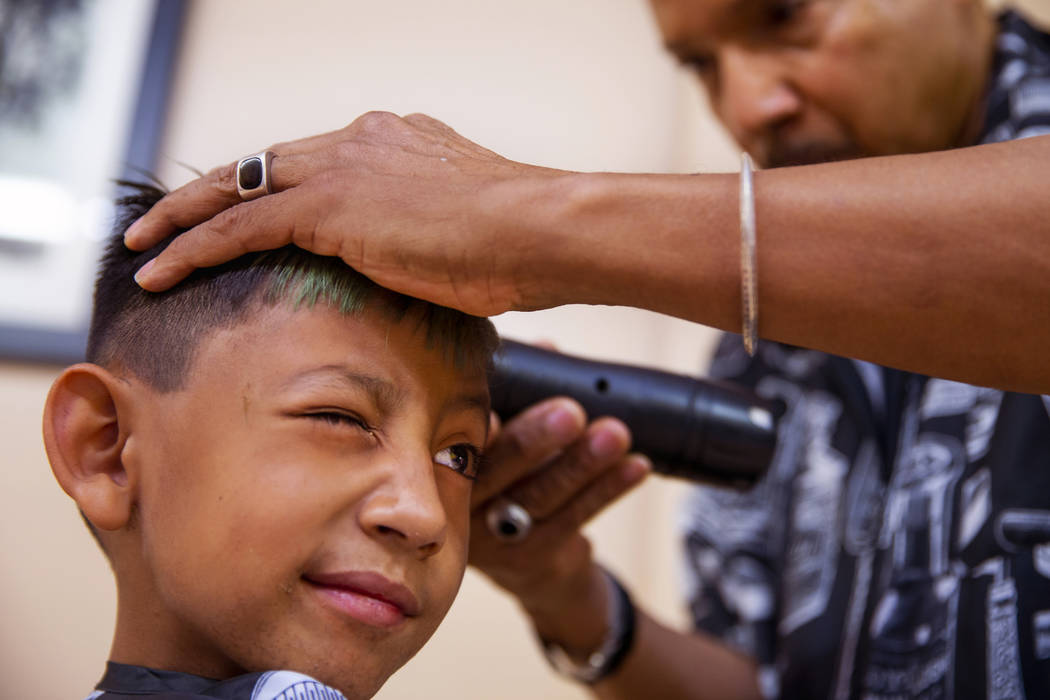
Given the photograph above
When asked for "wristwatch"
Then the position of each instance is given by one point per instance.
(614, 648)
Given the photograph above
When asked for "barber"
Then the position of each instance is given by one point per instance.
(923, 246)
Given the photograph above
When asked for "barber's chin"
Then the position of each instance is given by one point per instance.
(782, 155)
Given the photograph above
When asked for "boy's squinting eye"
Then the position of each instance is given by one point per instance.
(338, 418)
(463, 458)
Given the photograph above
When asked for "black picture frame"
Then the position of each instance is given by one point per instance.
(40, 344)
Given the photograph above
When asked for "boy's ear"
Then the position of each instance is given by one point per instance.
(84, 442)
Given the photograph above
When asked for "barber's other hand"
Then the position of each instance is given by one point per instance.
(563, 471)
(406, 201)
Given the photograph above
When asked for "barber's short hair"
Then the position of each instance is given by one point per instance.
(155, 335)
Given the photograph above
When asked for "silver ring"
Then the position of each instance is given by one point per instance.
(253, 176)
(508, 521)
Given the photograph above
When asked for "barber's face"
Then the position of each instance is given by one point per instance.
(803, 81)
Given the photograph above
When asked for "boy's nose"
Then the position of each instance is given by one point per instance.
(406, 507)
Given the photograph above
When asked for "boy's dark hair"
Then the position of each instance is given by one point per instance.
(155, 336)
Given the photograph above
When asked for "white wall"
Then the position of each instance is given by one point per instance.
(577, 84)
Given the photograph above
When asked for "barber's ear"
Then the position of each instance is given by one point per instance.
(84, 442)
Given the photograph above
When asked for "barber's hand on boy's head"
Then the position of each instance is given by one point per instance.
(406, 201)
(563, 471)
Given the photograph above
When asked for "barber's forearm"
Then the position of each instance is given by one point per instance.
(666, 663)
(937, 263)
(574, 614)
(662, 663)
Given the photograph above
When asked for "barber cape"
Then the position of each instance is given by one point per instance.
(124, 682)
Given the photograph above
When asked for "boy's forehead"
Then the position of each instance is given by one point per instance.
(285, 347)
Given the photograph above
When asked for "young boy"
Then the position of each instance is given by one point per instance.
(276, 457)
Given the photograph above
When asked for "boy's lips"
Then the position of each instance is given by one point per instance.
(367, 596)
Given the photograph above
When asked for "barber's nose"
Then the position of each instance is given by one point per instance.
(405, 508)
(754, 93)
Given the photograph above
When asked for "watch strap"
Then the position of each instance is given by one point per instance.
(610, 655)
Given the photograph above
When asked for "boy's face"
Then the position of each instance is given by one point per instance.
(304, 501)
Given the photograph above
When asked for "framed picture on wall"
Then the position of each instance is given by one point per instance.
(83, 93)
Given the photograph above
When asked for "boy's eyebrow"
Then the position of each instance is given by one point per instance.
(382, 391)
(478, 402)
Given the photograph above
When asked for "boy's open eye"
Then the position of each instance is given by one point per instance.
(463, 458)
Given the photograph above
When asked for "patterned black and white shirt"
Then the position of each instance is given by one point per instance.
(899, 547)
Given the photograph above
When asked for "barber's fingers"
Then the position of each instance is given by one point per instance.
(292, 216)
(318, 142)
(425, 122)
(549, 535)
(526, 443)
(294, 161)
(201, 199)
(602, 447)
(599, 494)
(448, 137)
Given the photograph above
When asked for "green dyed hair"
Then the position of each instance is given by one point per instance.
(155, 336)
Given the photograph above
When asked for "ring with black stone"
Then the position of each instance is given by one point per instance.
(253, 176)
(508, 521)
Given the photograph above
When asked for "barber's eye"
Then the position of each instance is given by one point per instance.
(463, 458)
(783, 11)
(702, 64)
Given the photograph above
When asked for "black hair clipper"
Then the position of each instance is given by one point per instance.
(696, 429)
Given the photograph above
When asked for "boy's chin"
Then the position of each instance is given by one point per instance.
(358, 680)
(355, 672)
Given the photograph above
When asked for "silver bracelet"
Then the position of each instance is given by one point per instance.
(748, 273)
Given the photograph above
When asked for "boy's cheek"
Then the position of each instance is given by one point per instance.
(457, 546)
(455, 490)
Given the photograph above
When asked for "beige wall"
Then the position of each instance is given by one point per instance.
(543, 81)
(568, 83)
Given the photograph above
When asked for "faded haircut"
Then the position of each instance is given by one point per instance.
(155, 335)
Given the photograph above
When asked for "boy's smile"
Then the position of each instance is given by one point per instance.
(302, 503)
(366, 596)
